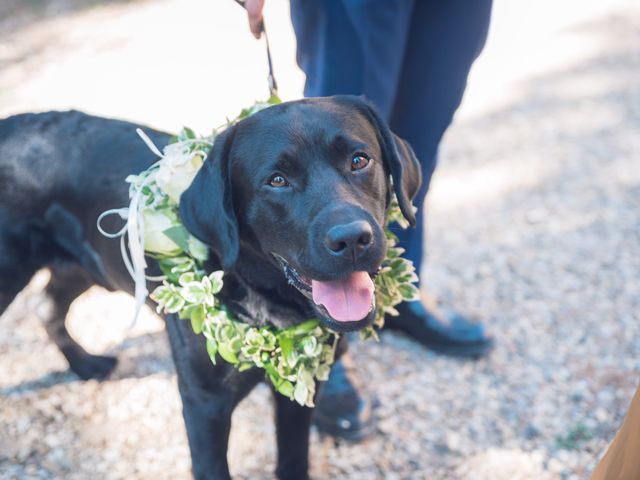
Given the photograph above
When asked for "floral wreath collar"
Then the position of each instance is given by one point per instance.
(293, 358)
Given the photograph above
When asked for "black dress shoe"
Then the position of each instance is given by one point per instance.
(340, 410)
(443, 331)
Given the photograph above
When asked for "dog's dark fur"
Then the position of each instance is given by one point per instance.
(59, 171)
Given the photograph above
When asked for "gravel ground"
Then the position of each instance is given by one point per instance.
(534, 226)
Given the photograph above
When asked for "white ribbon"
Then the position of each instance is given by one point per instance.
(136, 265)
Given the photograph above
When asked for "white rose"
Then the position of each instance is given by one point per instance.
(155, 222)
(177, 170)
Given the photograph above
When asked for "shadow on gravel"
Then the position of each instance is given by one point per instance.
(46, 381)
(141, 356)
(138, 357)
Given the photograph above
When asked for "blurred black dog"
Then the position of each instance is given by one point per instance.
(291, 201)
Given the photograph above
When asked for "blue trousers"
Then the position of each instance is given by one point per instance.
(411, 58)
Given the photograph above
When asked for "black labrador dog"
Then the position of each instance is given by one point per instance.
(291, 201)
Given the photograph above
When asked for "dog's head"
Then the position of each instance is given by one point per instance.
(301, 190)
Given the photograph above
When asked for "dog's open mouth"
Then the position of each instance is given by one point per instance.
(349, 301)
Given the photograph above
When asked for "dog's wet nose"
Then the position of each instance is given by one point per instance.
(350, 239)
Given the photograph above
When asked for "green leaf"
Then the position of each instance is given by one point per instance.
(235, 344)
(173, 267)
(189, 133)
(243, 367)
(227, 353)
(179, 235)
(224, 332)
(160, 293)
(186, 312)
(285, 387)
(207, 327)
(301, 393)
(301, 328)
(212, 349)
(269, 339)
(310, 346)
(322, 372)
(274, 100)
(216, 281)
(174, 304)
(408, 292)
(197, 319)
(286, 344)
(197, 249)
(187, 277)
(369, 332)
(195, 292)
(254, 338)
(399, 266)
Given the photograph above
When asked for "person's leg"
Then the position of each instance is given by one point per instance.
(352, 47)
(444, 40)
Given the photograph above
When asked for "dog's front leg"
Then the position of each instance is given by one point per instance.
(293, 423)
(209, 395)
(207, 418)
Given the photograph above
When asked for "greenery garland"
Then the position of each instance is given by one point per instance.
(293, 358)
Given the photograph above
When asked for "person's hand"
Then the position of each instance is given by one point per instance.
(254, 12)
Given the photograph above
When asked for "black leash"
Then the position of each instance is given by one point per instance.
(273, 86)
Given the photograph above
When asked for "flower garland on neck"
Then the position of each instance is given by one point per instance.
(293, 358)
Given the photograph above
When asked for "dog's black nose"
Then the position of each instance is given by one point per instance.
(349, 239)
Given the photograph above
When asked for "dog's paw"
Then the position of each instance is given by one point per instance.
(94, 366)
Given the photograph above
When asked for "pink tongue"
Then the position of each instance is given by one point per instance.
(348, 299)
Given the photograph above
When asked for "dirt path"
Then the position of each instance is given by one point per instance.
(534, 226)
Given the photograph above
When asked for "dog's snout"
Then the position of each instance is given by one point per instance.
(349, 239)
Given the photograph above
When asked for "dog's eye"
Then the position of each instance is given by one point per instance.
(278, 181)
(359, 161)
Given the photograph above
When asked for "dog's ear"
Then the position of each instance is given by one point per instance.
(399, 158)
(206, 207)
